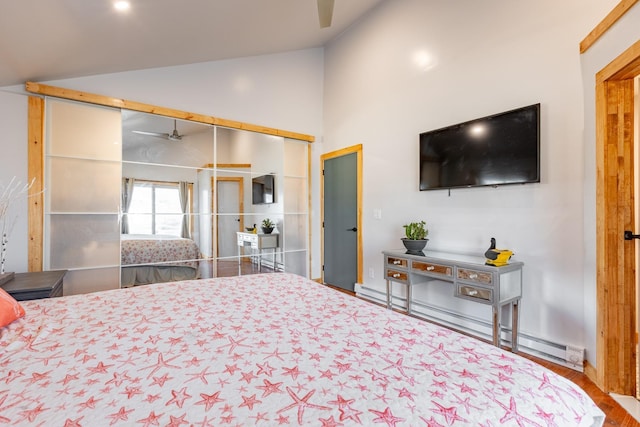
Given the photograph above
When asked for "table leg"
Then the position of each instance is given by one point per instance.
(274, 260)
(496, 326)
(514, 326)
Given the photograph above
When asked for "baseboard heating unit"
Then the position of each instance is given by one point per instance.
(567, 355)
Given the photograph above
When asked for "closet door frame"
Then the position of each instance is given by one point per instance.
(36, 138)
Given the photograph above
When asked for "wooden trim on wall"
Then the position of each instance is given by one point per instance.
(227, 166)
(310, 222)
(35, 170)
(74, 95)
(616, 13)
(624, 67)
(615, 369)
(360, 229)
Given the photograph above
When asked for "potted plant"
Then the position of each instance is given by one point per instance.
(415, 236)
(267, 226)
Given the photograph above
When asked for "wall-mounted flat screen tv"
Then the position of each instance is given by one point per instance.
(263, 189)
(496, 150)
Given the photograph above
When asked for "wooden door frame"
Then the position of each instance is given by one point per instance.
(357, 149)
(615, 369)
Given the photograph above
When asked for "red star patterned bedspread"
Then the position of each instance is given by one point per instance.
(263, 350)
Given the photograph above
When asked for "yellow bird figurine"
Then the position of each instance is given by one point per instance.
(497, 257)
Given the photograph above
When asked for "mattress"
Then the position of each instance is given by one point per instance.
(149, 274)
(264, 349)
(136, 249)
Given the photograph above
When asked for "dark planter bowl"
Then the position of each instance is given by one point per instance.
(267, 230)
(414, 245)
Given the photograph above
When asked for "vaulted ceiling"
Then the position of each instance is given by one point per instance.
(56, 39)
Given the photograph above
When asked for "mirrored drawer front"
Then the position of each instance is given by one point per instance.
(474, 275)
(428, 267)
(475, 292)
(400, 262)
(397, 276)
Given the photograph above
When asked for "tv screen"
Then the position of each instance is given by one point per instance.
(495, 150)
(263, 189)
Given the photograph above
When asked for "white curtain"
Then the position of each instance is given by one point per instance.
(127, 194)
(184, 205)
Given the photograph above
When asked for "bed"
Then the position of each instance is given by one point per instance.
(157, 258)
(264, 349)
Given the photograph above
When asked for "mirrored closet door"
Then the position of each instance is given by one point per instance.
(82, 169)
(161, 199)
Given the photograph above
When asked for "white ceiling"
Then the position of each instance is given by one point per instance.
(44, 40)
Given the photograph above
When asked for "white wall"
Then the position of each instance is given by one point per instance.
(416, 65)
(13, 163)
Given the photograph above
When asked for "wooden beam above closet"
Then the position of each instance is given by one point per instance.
(57, 92)
(618, 11)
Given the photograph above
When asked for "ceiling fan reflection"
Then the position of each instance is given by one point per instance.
(173, 136)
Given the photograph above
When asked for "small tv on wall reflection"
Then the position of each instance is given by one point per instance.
(263, 189)
(496, 150)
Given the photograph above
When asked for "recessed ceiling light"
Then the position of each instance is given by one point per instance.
(122, 5)
(477, 129)
(424, 60)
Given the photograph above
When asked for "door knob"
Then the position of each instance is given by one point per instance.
(352, 229)
(628, 235)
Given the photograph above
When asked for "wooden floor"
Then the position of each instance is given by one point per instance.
(616, 415)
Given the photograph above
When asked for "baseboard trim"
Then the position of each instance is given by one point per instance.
(591, 373)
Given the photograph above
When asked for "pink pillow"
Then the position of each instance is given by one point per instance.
(10, 309)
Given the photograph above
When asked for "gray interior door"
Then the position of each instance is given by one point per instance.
(229, 217)
(340, 221)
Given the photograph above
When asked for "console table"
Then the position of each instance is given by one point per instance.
(470, 279)
(257, 241)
